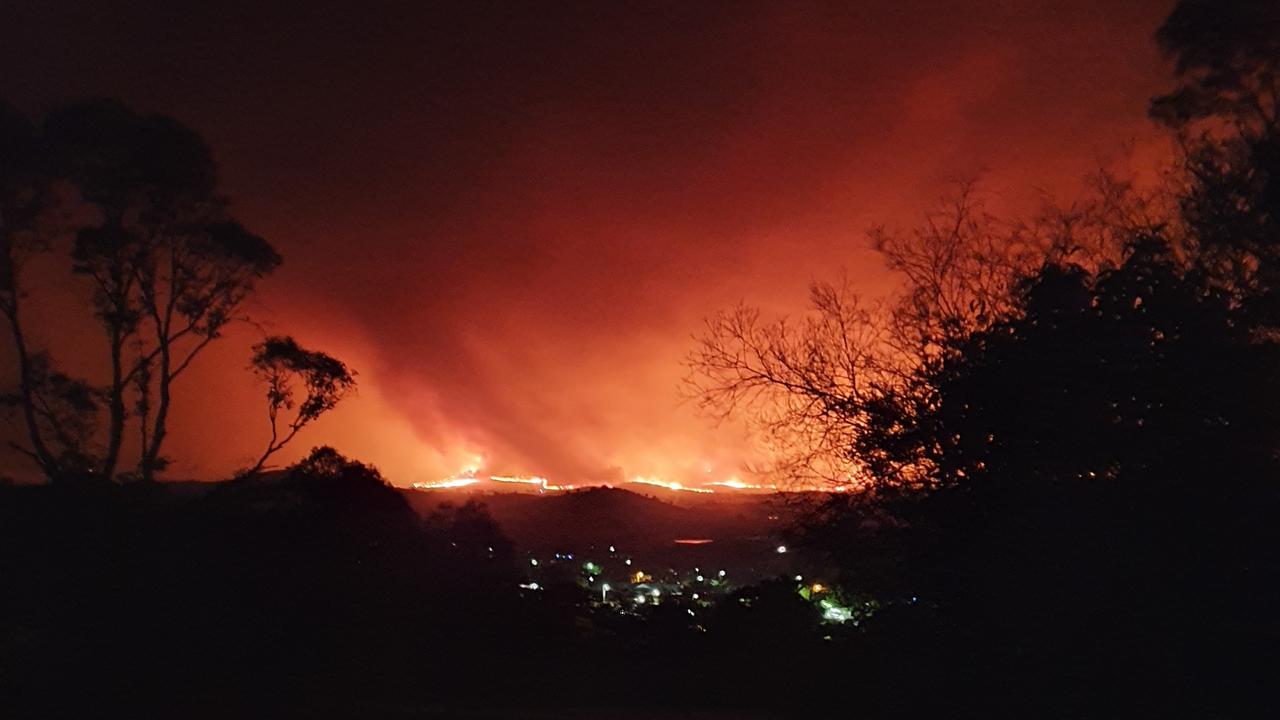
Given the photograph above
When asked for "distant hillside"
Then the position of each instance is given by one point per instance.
(603, 516)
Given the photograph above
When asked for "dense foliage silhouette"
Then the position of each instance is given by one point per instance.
(1061, 440)
(131, 204)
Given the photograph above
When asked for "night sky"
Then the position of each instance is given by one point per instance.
(511, 217)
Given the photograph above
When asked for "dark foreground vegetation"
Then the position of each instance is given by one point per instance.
(1058, 449)
(318, 591)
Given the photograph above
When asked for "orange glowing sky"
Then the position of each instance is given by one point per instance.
(511, 221)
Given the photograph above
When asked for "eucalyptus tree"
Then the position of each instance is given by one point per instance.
(285, 367)
(170, 264)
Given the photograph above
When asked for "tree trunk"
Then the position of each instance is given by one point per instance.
(152, 455)
(48, 464)
(115, 433)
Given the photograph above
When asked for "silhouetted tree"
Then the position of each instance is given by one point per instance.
(815, 386)
(471, 528)
(66, 413)
(336, 484)
(280, 363)
(771, 612)
(1225, 54)
(170, 268)
(46, 399)
(170, 265)
(860, 386)
(1065, 439)
(21, 204)
(1225, 111)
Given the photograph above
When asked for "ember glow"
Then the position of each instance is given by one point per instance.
(469, 478)
(737, 484)
(446, 484)
(669, 485)
(539, 482)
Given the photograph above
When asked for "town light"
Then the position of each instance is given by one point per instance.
(835, 613)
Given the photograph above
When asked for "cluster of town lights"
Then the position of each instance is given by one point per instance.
(637, 590)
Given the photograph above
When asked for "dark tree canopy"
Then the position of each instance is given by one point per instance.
(25, 204)
(1062, 436)
(283, 365)
(168, 263)
(1226, 55)
(66, 411)
(121, 160)
(1225, 110)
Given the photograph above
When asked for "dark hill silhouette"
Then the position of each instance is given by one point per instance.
(744, 530)
(604, 516)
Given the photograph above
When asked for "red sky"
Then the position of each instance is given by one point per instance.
(510, 221)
